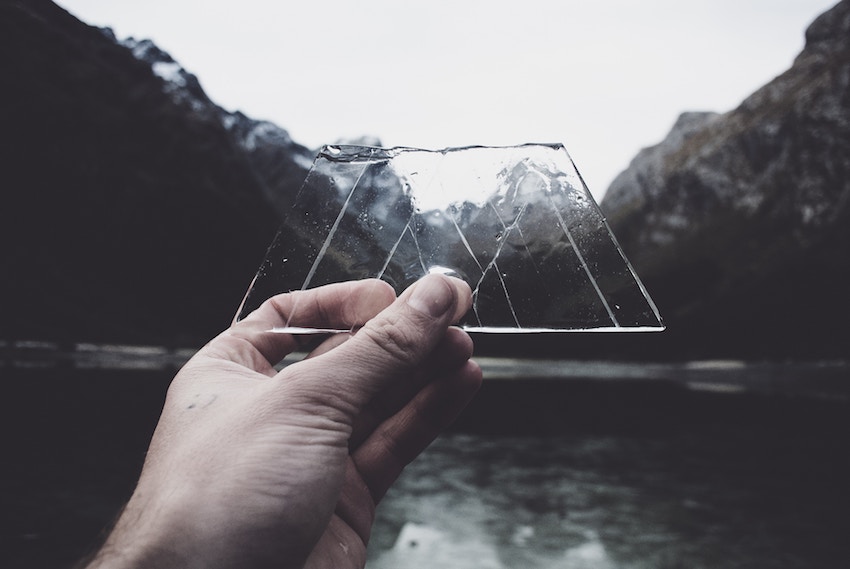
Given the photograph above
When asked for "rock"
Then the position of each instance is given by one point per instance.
(278, 162)
(135, 210)
(739, 223)
(422, 546)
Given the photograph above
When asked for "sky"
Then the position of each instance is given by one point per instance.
(604, 77)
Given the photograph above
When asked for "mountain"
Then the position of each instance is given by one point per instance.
(739, 223)
(134, 208)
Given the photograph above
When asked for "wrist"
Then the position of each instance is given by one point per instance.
(143, 537)
(179, 535)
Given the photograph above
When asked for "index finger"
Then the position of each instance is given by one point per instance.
(345, 305)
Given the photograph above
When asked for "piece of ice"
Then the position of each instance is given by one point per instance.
(516, 223)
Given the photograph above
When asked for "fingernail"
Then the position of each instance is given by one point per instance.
(432, 295)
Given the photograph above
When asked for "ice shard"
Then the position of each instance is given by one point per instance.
(516, 223)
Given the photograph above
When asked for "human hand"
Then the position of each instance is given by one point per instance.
(250, 467)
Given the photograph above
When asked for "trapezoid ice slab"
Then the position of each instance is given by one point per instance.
(516, 223)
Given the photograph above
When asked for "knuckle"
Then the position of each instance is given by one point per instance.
(399, 343)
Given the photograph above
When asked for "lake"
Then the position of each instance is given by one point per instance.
(554, 465)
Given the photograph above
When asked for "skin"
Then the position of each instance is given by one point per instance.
(251, 467)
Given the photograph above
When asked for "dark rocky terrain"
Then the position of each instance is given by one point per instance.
(135, 210)
(739, 223)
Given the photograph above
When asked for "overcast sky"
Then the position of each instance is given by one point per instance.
(604, 77)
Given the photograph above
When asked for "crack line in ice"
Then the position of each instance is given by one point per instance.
(395, 246)
(583, 263)
(632, 272)
(464, 241)
(332, 231)
(327, 242)
(418, 249)
(475, 259)
(507, 231)
(492, 263)
(408, 227)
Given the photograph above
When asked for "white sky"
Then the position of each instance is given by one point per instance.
(604, 77)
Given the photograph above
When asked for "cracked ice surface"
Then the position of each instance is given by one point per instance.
(516, 223)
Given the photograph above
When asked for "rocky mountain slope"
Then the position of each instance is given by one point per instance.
(135, 210)
(739, 223)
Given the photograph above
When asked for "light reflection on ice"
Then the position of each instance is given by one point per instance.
(517, 223)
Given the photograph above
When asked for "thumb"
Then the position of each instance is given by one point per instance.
(398, 340)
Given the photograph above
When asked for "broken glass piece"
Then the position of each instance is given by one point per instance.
(516, 223)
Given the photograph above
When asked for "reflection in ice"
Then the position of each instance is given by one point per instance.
(516, 223)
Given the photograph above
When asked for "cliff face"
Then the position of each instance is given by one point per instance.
(739, 223)
(134, 209)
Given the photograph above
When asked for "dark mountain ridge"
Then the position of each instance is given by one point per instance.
(136, 210)
(739, 223)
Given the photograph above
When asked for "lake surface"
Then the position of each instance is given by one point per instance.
(576, 465)
(687, 500)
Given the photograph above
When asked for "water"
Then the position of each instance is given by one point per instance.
(693, 500)
(600, 464)
(616, 465)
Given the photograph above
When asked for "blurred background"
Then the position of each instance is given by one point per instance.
(149, 151)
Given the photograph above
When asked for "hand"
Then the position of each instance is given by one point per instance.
(250, 467)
